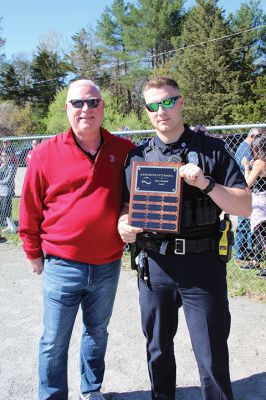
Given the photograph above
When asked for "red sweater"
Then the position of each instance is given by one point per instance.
(70, 205)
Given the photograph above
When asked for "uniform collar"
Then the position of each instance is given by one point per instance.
(182, 142)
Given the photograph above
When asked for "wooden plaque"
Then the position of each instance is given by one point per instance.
(155, 196)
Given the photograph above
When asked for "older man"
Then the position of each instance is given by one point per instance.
(186, 267)
(70, 204)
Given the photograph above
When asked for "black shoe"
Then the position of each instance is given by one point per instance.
(262, 273)
(248, 266)
(3, 239)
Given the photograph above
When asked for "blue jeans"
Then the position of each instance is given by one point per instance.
(243, 239)
(66, 285)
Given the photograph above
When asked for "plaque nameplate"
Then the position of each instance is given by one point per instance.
(155, 201)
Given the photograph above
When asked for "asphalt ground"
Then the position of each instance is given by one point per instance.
(126, 376)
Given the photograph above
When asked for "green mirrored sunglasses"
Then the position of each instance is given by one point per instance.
(166, 103)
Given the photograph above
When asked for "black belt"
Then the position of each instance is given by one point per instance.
(178, 246)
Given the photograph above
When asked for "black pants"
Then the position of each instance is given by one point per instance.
(208, 320)
(5, 208)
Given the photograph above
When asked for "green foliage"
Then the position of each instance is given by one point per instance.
(252, 111)
(48, 72)
(39, 120)
(26, 124)
(57, 120)
(249, 46)
(113, 118)
(219, 63)
(9, 84)
(152, 25)
(205, 67)
(84, 57)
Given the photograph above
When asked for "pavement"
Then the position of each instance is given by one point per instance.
(126, 376)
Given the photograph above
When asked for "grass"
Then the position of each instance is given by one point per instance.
(245, 282)
(240, 282)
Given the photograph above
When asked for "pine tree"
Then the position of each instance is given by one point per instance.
(248, 24)
(152, 26)
(110, 31)
(85, 57)
(47, 72)
(9, 84)
(205, 66)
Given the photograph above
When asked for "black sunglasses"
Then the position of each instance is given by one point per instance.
(166, 103)
(91, 103)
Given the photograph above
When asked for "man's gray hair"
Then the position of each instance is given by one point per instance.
(83, 82)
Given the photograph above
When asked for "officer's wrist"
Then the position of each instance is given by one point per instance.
(210, 185)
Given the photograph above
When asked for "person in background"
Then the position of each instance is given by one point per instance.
(255, 172)
(243, 239)
(7, 148)
(34, 143)
(185, 268)
(123, 129)
(70, 203)
(7, 184)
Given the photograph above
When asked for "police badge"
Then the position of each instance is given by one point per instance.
(193, 158)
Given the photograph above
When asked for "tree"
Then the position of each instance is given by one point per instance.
(85, 57)
(9, 84)
(57, 120)
(22, 67)
(113, 118)
(16, 121)
(151, 26)
(48, 72)
(252, 111)
(26, 124)
(248, 24)
(205, 67)
(110, 31)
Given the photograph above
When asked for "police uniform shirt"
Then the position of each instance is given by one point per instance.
(211, 156)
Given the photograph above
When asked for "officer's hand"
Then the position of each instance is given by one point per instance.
(127, 232)
(36, 265)
(193, 176)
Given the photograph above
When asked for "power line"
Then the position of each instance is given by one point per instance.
(108, 66)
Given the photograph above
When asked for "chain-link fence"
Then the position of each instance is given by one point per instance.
(247, 269)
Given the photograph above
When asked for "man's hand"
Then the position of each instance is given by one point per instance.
(36, 265)
(127, 232)
(193, 176)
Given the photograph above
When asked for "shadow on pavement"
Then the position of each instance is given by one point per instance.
(251, 388)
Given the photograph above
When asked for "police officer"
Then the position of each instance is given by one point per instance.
(186, 268)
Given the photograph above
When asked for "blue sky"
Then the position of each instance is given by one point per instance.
(25, 22)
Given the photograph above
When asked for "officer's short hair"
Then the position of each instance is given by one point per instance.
(158, 82)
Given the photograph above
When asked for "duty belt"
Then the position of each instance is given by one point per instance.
(177, 246)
